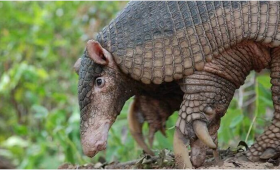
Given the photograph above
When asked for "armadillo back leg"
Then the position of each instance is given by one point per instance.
(135, 122)
(268, 144)
(207, 97)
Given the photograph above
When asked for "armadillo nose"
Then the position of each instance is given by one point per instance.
(99, 146)
(95, 139)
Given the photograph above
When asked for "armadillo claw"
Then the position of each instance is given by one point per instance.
(152, 132)
(181, 152)
(201, 131)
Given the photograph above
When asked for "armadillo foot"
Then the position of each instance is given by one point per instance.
(201, 111)
(181, 152)
(206, 138)
(267, 145)
(199, 147)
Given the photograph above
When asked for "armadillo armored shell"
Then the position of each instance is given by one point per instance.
(161, 41)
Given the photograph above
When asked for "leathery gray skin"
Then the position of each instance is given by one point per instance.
(207, 48)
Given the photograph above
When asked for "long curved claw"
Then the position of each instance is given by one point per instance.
(152, 132)
(181, 152)
(201, 131)
(268, 153)
(135, 124)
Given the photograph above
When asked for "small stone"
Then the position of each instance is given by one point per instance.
(98, 165)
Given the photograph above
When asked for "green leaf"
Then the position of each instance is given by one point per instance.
(40, 111)
(236, 120)
(15, 141)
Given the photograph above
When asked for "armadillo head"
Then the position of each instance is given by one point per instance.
(103, 91)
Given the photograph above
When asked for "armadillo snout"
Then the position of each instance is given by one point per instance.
(95, 139)
(91, 152)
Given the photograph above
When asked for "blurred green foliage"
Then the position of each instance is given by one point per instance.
(39, 114)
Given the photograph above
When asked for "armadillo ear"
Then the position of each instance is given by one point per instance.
(77, 65)
(96, 53)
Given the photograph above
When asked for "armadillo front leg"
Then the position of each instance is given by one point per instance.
(207, 97)
(268, 144)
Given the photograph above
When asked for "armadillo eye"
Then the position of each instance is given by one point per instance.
(99, 82)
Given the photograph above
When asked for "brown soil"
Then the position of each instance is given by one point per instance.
(165, 160)
(6, 163)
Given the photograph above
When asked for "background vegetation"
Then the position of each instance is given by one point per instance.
(39, 114)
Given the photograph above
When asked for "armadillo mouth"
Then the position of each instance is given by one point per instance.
(91, 153)
(100, 147)
(95, 139)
